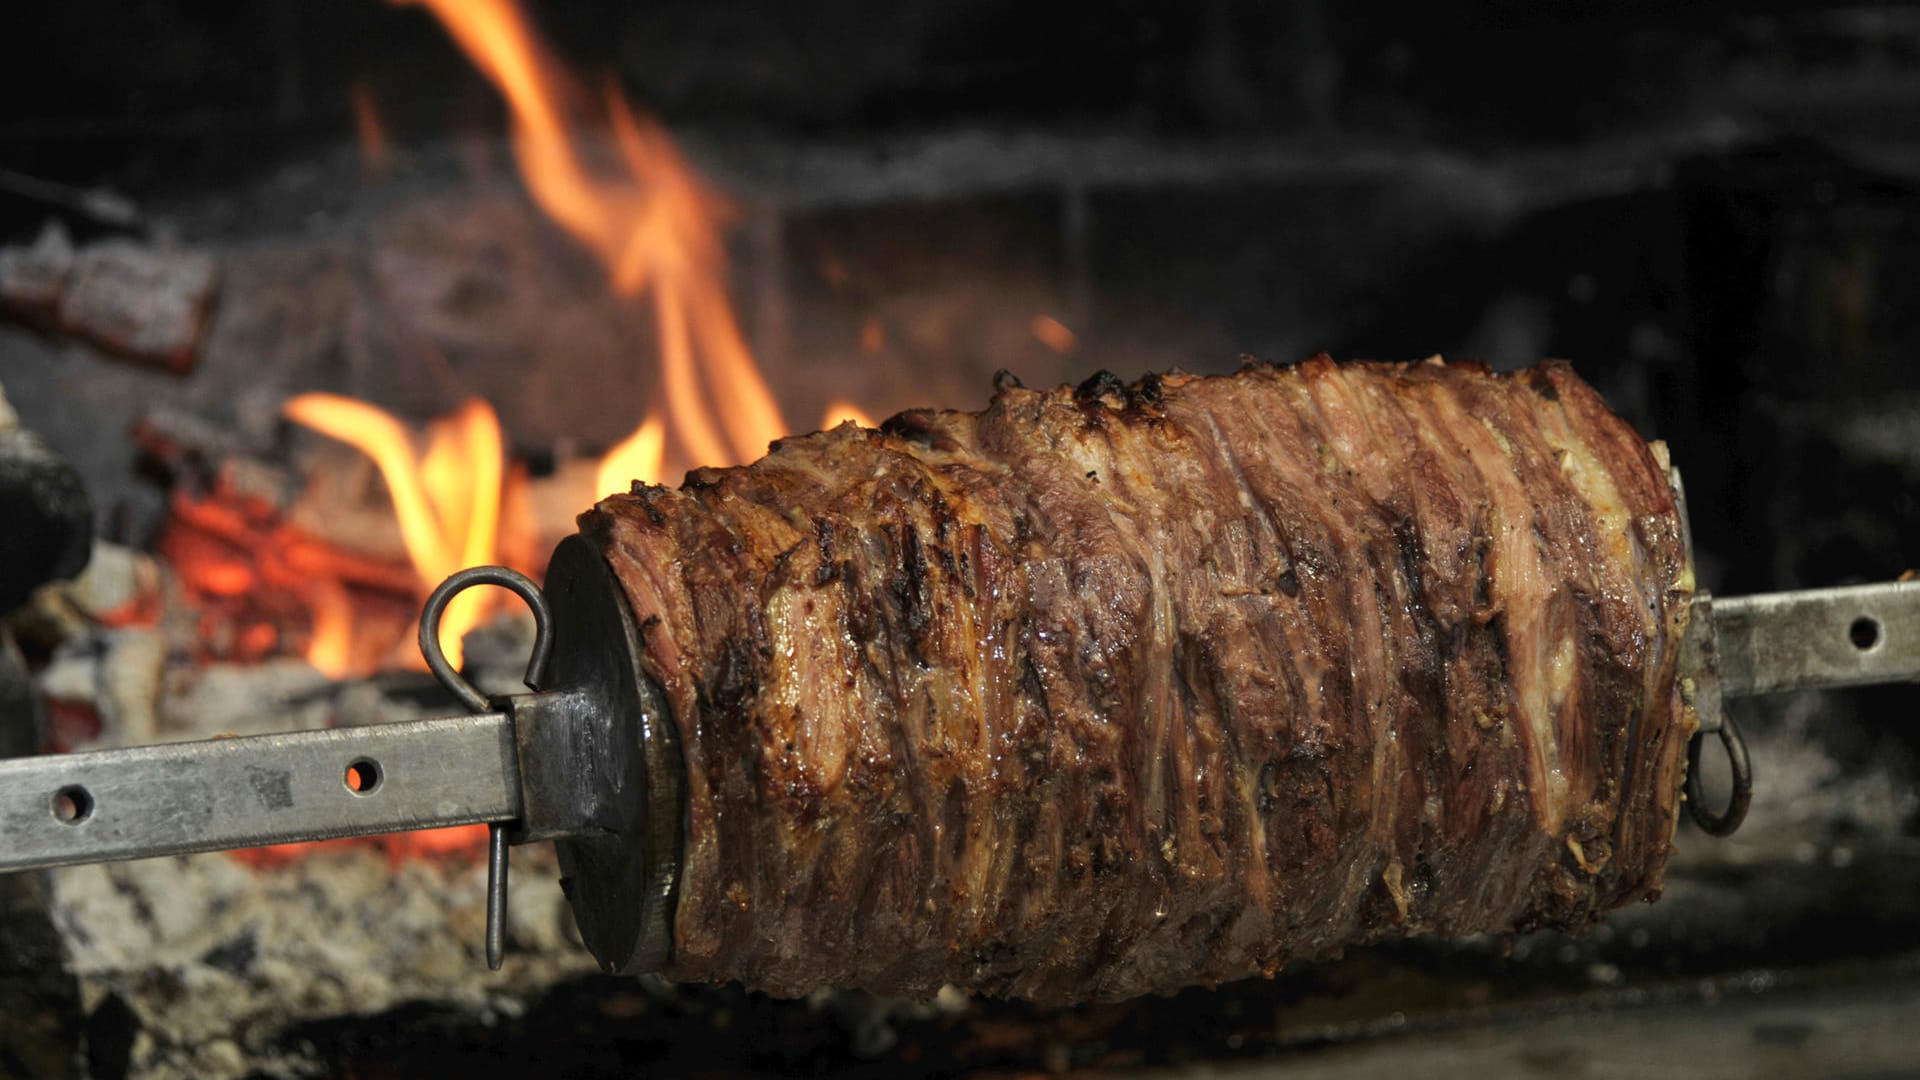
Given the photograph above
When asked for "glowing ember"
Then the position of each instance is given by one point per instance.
(263, 587)
(463, 842)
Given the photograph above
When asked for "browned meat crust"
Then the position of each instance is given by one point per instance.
(1115, 690)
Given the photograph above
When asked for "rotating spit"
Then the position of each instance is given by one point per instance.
(590, 758)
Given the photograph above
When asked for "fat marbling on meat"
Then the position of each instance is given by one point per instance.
(1124, 688)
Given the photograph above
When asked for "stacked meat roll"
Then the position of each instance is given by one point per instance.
(1123, 688)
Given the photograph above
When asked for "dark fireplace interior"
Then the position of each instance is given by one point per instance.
(208, 211)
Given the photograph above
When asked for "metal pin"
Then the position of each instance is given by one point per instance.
(1727, 821)
(496, 895)
(476, 701)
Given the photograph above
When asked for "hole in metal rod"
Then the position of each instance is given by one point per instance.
(363, 776)
(72, 804)
(1864, 633)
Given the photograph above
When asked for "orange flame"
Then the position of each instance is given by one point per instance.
(840, 412)
(331, 647)
(639, 207)
(447, 500)
(653, 226)
(637, 457)
(368, 130)
(1054, 334)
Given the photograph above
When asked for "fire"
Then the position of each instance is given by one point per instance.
(840, 412)
(331, 647)
(637, 205)
(633, 201)
(654, 227)
(446, 499)
(636, 457)
(368, 130)
(1054, 334)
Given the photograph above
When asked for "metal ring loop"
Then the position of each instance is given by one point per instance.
(437, 603)
(1728, 820)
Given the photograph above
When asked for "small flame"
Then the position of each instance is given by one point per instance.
(368, 129)
(1054, 334)
(447, 500)
(840, 412)
(635, 458)
(331, 647)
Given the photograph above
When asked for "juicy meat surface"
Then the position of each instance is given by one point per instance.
(1119, 689)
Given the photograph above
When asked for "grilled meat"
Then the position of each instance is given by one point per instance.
(1118, 689)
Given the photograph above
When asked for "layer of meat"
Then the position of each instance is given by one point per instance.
(1119, 689)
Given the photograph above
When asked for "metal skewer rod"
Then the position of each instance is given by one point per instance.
(1813, 639)
(217, 794)
(1744, 646)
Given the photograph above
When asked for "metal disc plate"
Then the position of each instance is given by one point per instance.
(621, 881)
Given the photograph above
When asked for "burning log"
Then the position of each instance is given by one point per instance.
(328, 555)
(282, 560)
